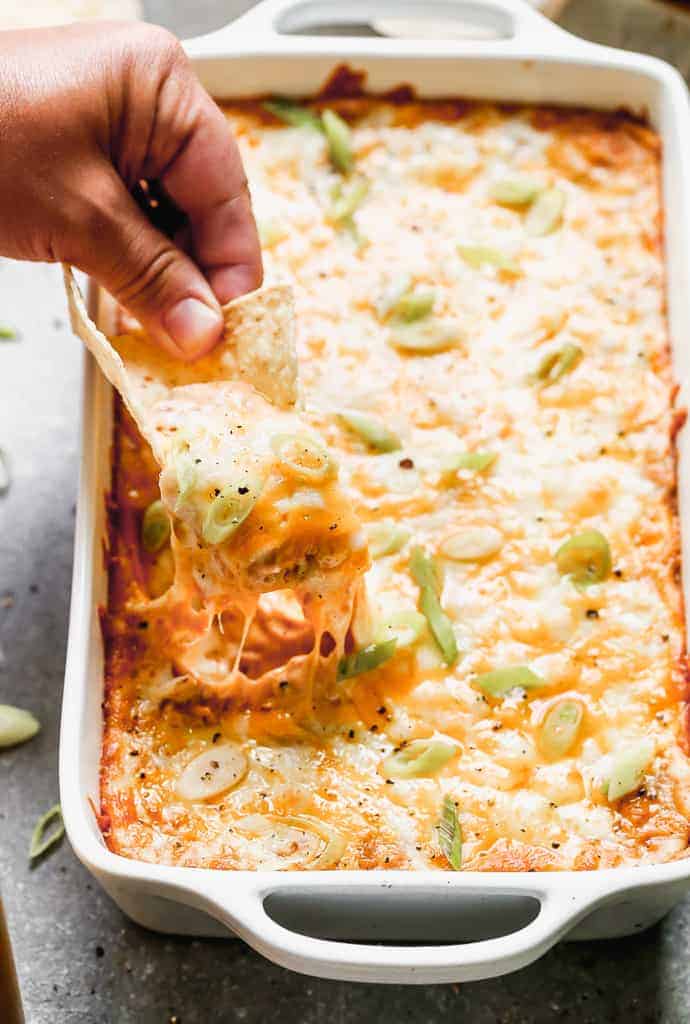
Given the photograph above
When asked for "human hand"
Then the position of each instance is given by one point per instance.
(86, 112)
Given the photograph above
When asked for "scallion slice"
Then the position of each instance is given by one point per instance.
(477, 462)
(428, 576)
(426, 336)
(346, 200)
(370, 429)
(293, 114)
(440, 625)
(418, 759)
(42, 839)
(16, 725)
(450, 834)
(478, 256)
(392, 294)
(5, 473)
(304, 457)
(501, 681)
(339, 140)
(515, 191)
(414, 305)
(585, 558)
(366, 659)
(473, 544)
(425, 570)
(8, 333)
(557, 363)
(405, 627)
(628, 768)
(155, 527)
(560, 727)
(228, 511)
(546, 213)
(212, 772)
(386, 538)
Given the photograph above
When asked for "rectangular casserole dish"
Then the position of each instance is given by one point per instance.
(449, 927)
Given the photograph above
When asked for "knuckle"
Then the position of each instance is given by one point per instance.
(145, 281)
(162, 46)
(151, 48)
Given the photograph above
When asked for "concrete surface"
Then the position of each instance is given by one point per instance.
(80, 961)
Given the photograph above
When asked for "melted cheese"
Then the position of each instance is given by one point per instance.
(590, 451)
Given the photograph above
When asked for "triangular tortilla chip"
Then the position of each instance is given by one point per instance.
(258, 347)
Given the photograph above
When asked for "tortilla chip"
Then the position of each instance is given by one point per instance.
(258, 347)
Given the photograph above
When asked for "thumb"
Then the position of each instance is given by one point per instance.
(144, 270)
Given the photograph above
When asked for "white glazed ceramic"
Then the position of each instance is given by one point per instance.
(384, 926)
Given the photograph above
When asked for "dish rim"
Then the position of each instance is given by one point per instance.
(236, 898)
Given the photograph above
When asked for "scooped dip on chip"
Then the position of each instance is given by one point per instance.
(249, 492)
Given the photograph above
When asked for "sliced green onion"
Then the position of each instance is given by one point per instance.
(227, 511)
(16, 725)
(346, 200)
(293, 114)
(7, 333)
(475, 461)
(155, 527)
(5, 473)
(392, 294)
(501, 681)
(42, 839)
(426, 336)
(291, 835)
(370, 429)
(440, 625)
(418, 759)
(560, 727)
(366, 659)
(304, 457)
(479, 256)
(515, 191)
(360, 240)
(271, 231)
(473, 544)
(386, 538)
(339, 140)
(546, 213)
(586, 558)
(450, 834)
(629, 766)
(414, 305)
(212, 772)
(428, 576)
(425, 570)
(405, 627)
(557, 363)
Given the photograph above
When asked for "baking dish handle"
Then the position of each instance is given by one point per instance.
(245, 913)
(284, 24)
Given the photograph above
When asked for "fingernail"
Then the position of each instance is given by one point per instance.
(193, 326)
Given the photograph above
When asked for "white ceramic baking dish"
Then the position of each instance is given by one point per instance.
(383, 926)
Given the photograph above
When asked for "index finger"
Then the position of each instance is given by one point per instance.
(206, 179)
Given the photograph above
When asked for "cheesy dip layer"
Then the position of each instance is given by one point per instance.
(483, 350)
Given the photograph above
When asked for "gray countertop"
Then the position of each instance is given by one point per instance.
(80, 961)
